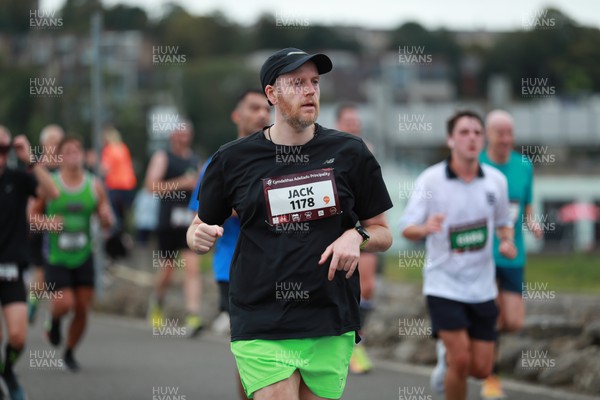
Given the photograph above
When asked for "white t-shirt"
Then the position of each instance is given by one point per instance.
(459, 263)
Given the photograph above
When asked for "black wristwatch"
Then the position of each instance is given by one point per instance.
(363, 232)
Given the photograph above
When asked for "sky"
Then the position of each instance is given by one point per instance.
(452, 14)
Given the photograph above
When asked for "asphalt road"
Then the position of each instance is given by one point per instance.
(122, 359)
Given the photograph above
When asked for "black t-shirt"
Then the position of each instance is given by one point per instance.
(174, 213)
(15, 188)
(277, 288)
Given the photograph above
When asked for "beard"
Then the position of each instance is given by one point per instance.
(292, 114)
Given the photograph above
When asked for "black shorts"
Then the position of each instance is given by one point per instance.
(12, 289)
(223, 296)
(479, 319)
(172, 239)
(60, 276)
(36, 249)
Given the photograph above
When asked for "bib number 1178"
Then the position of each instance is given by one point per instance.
(302, 203)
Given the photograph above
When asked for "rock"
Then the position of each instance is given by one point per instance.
(532, 361)
(564, 370)
(564, 344)
(550, 326)
(426, 354)
(587, 378)
(126, 292)
(510, 349)
(592, 332)
(381, 331)
(406, 350)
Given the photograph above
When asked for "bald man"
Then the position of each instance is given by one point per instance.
(348, 121)
(509, 272)
(50, 137)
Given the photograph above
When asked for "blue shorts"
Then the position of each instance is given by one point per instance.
(510, 279)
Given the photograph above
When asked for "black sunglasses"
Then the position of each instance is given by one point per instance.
(4, 148)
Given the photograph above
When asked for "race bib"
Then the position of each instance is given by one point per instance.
(181, 217)
(305, 196)
(72, 241)
(468, 237)
(514, 208)
(9, 272)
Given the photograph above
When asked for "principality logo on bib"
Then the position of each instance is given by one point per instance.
(305, 196)
(469, 237)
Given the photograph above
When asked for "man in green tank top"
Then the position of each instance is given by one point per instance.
(70, 269)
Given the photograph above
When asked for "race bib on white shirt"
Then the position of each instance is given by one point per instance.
(181, 217)
(300, 197)
(468, 237)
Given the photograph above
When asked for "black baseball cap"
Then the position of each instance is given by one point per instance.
(288, 60)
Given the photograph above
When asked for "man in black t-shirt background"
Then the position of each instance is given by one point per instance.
(171, 177)
(15, 188)
(309, 199)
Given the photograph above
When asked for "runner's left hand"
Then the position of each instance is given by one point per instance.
(345, 251)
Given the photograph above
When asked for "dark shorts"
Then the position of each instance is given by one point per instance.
(60, 276)
(223, 296)
(36, 250)
(12, 289)
(172, 239)
(479, 319)
(510, 279)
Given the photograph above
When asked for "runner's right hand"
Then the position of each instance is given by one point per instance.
(434, 223)
(205, 237)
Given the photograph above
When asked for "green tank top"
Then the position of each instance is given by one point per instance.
(72, 245)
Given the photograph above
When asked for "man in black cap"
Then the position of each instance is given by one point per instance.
(309, 199)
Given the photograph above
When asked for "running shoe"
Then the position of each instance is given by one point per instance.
(52, 330)
(70, 363)
(220, 325)
(359, 361)
(15, 390)
(155, 314)
(32, 307)
(491, 389)
(439, 372)
(193, 324)
(3, 390)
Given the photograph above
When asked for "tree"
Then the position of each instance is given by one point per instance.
(76, 14)
(15, 15)
(122, 18)
(565, 53)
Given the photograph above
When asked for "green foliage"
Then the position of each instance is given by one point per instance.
(122, 18)
(76, 14)
(17, 106)
(210, 89)
(566, 54)
(15, 14)
(570, 273)
(267, 35)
